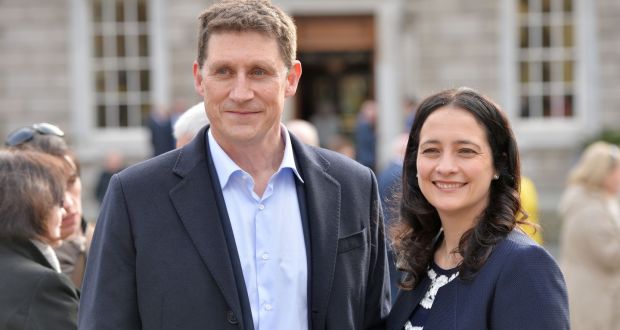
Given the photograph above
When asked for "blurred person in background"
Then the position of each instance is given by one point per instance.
(389, 181)
(529, 203)
(159, 124)
(342, 145)
(304, 130)
(365, 137)
(326, 121)
(189, 124)
(113, 163)
(48, 138)
(34, 294)
(590, 238)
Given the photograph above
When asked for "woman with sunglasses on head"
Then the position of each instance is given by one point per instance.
(590, 238)
(467, 263)
(49, 139)
(33, 292)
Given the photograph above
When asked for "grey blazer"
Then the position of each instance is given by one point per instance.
(159, 258)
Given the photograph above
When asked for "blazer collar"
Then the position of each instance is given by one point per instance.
(28, 250)
(323, 198)
(406, 301)
(195, 202)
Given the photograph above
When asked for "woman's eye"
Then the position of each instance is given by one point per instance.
(468, 152)
(430, 151)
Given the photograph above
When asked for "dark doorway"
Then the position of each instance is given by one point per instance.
(337, 56)
(340, 81)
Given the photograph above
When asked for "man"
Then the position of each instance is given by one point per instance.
(244, 227)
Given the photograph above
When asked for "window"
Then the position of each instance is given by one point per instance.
(121, 63)
(546, 59)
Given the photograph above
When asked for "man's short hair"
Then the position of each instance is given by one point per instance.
(248, 15)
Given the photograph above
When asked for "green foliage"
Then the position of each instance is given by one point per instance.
(609, 136)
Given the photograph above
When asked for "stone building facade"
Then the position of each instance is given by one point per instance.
(56, 66)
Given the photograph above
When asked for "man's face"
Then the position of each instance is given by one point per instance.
(244, 83)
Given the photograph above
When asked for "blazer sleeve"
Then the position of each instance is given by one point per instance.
(378, 293)
(54, 304)
(530, 292)
(109, 298)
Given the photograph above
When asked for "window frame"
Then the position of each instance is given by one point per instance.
(553, 131)
(134, 140)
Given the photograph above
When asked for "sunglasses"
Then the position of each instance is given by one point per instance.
(26, 134)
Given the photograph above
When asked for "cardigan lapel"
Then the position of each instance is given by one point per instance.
(323, 198)
(195, 202)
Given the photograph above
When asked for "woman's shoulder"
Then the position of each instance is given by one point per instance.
(517, 245)
(520, 259)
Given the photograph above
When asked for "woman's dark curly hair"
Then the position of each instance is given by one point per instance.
(413, 235)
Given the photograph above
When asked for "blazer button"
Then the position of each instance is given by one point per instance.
(232, 319)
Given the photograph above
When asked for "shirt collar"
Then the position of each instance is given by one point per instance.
(226, 167)
(48, 253)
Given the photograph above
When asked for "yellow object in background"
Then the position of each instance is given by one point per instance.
(529, 202)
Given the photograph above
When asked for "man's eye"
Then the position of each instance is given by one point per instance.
(259, 72)
(222, 71)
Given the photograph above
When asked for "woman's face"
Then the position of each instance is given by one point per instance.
(72, 218)
(52, 223)
(612, 182)
(455, 163)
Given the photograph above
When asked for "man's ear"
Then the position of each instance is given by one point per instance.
(198, 78)
(292, 79)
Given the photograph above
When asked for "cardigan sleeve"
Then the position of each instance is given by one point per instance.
(530, 292)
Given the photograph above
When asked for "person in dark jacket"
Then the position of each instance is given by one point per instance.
(34, 294)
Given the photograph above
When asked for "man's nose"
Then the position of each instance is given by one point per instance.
(241, 90)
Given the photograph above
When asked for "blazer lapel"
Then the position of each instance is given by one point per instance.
(405, 303)
(323, 197)
(195, 203)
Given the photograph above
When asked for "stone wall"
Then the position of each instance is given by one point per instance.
(458, 45)
(34, 70)
(608, 12)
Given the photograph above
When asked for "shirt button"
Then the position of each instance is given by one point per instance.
(265, 256)
(268, 307)
(261, 207)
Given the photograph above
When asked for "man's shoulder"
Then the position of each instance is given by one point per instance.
(152, 167)
(337, 161)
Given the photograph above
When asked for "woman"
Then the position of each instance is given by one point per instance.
(33, 292)
(590, 238)
(49, 139)
(468, 264)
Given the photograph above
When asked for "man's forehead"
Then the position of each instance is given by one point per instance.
(224, 42)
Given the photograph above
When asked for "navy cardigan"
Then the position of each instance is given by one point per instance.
(519, 287)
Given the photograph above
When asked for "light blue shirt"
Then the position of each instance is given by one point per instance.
(270, 239)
